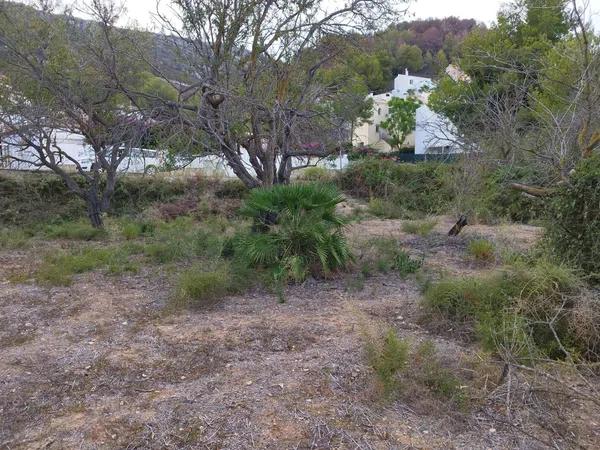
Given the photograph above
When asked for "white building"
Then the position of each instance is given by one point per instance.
(72, 144)
(139, 160)
(433, 133)
(15, 156)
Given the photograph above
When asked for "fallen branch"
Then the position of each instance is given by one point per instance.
(532, 190)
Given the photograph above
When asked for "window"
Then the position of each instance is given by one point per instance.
(377, 128)
(410, 81)
(149, 153)
(379, 111)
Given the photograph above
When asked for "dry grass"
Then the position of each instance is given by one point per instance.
(103, 366)
(419, 227)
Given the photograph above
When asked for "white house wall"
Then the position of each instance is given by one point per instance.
(404, 84)
(71, 144)
(433, 133)
(140, 160)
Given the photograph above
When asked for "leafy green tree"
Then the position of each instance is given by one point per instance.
(371, 69)
(401, 120)
(533, 92)
(506, 67)
(441, 62)
(409, 57)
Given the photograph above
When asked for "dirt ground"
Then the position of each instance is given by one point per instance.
(100, 365)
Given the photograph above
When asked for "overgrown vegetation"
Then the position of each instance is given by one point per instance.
(525, 112)
(388, 356)
(13, 238)
(534, 308)
(387, 209)
(200, 286)
(82, 231)
(483, 192)
(35, 200)
(317, 175)
(410, 188)
(57, 269)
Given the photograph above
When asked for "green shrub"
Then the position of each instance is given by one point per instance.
(203, 285)
(30, 199)
(421, 187)
(390, 256)
(462, 299)
(386, 209)
(384, 265)
(135, 192)
(395, 365)
(441, 381)
(134, 230)
(573, 228)
(369, 178)
(296, 231)
(514, 304)
(404, 264)
(316, 175)
(420, 227)
(82, 231)
(231, 189)
(183, 239)
(356, 283)
(13, 238)
(57, 269)
(387, 357)
(490, 199)
(481, 249)
(199, 287)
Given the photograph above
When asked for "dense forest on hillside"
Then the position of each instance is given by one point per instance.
(424, 47)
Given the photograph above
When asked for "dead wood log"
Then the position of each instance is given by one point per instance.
(531, 190)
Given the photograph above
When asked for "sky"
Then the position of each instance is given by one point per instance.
(480, 10)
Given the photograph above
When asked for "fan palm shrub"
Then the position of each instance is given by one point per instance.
(296, 231)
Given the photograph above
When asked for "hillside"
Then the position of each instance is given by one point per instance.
(423, 46)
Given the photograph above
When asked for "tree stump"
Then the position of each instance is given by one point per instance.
(456, 229)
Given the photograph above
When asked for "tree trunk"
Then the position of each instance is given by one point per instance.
(95, 212)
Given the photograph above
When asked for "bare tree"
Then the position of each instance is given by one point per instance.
(65, 76)
(251, 92)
